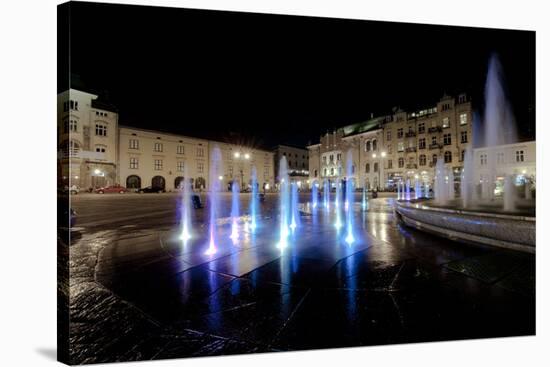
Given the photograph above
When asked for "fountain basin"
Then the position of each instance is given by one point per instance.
(513, 232)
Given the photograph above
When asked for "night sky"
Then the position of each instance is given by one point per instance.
(267, 79)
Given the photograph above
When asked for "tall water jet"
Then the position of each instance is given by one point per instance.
(234, 211)
(186, 209)
(295, 213)
(284, 204)
(326, 194)
(449, 177)
(349, 198)
(364, 201)
(338, 222)
(509, 194)
(214, 197)
(254, 201)
(314, 194)
(467, 191)
(440, 186)
(417, 192)
(408, 190)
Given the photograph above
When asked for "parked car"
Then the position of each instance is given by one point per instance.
(111, 189)
(151, 189)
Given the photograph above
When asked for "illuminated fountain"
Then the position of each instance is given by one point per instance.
(214, 198)
(284, 204)
(349, 198)
(338, 222)
(364, 200)
(186, 210)
(399, 190)
(417, 191)
(254, 201)
(234, 211)
(326, 194)
(408, 190)
(295, 213)
(314, 194)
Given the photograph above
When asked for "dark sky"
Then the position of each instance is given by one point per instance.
(270, 79)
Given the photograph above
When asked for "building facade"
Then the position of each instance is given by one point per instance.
(95, 151)
(396, 147)
(297, 162)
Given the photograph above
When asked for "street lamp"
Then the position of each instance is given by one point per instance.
(383, 154)
(237, 154)
(246, 156)
(97, 171)
(220, 178)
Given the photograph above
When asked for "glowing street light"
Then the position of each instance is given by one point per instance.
(373, 155)
(220, 178)
(383, 154)
(237, 154)
(247, 156)
(97, 171)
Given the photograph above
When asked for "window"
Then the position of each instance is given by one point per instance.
(158, 164)
(100, 130)
(421, 128)
(401, 162)
(200, 152)
(434, 140)
(390, 164)
(463, 136)
(388, 135)
(483, 159)
(180, 166)
(74, 148)
(367, 168)
(375, 166)
(73, 125)
(445, 107)
(100, 149)
(157, 147)
(422, 159)
(134, 144)
(500, 157)
(200, 167)
(462, 153)
(463, 119)
(180, 149)
(325, 172)
(74, 105)
(315, 173)
(332, 171)
(434, 159)
(448, 157)
(374, 145)
(399, 133)
(447, 139)
(519, 156)
(325, 160)
(389, 149)
(445, 122)
(400, 146)
(338, 157)
(331, 158)
(367, 146)
(422, 143)
(134, 163)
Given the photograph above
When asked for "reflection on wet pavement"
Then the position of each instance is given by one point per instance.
(393, 285)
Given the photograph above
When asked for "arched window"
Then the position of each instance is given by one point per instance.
(315, 173)
(178, 182)
(448, 157)
(375, 166)
(367, 168)
(158, 182)
(367, 146)
(422, 159)
(434, 159)
(374, 145)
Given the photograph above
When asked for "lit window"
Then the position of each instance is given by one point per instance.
(180, 149)
(134, 163)
(463, 119)
(134, 144)
(158, 147)
(180, 166)
(158, 164)
(200, 167)
(446, 122)
(400, 146)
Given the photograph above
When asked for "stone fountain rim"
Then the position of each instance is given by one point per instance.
(423, 206)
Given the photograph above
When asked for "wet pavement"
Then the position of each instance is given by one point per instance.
(138, 292)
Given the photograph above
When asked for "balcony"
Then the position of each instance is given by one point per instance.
(411, 166)
(435, 146)
(436, 129)
(410, 150)
(410, 134)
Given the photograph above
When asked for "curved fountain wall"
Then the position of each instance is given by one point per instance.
(506, 231)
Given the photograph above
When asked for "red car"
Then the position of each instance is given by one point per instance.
(111, 189)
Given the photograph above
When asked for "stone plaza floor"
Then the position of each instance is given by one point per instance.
(137, 292)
